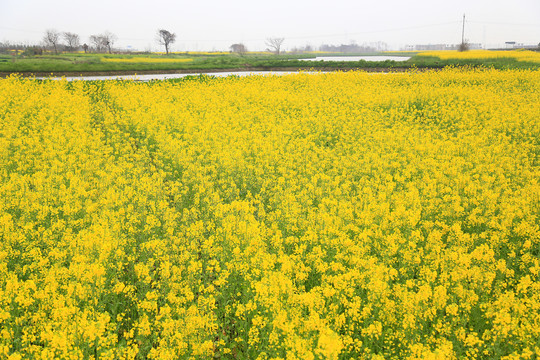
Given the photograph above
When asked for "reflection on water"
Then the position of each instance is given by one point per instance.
(358, 58)
(149, 77)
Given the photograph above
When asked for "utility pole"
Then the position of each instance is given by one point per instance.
(463, 31)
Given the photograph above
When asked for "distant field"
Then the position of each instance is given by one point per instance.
(519, 55)
(339, 215)
(192, 61)
(522, 59)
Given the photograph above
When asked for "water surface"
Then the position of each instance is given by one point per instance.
(150, 77)
(358, 58)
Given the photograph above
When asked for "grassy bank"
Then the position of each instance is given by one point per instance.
(82, 63)
(195, 62)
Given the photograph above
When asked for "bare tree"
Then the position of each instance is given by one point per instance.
(108, 40)
(72, 41)
(275, 44)
(166, 38)
(97, 42)
(103, 41)
(51, 38)
(464, 46)
(238, 48)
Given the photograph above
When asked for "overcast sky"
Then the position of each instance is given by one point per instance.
(216, 24)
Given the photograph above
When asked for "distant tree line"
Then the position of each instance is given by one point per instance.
(302, 49)
(7, 46)
(57, 41)
(355, 48)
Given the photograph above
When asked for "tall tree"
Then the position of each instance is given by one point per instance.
(51, 39)
(275, 44)
(166, 38)
(72, 40)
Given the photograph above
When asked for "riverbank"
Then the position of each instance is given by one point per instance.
(140, 64)
(74, 64)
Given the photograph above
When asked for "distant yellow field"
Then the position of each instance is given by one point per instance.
(342, 215)
(208, 52)
(148, 60)
(520, 55)
(194, 52)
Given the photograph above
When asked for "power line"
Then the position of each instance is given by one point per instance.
(500, 23)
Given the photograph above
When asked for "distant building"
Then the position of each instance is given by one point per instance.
(475, 46)
(437, 47)
(433, 47)
(514, 45)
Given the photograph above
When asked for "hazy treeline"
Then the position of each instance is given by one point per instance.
(57, 41)
(7, 46)
(343, 48)
(355, 48)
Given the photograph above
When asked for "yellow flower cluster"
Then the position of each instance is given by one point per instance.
(144, 60)
(519, 55)
(311, 216)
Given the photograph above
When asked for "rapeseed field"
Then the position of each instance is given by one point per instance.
(519, 55)
(311, 216)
